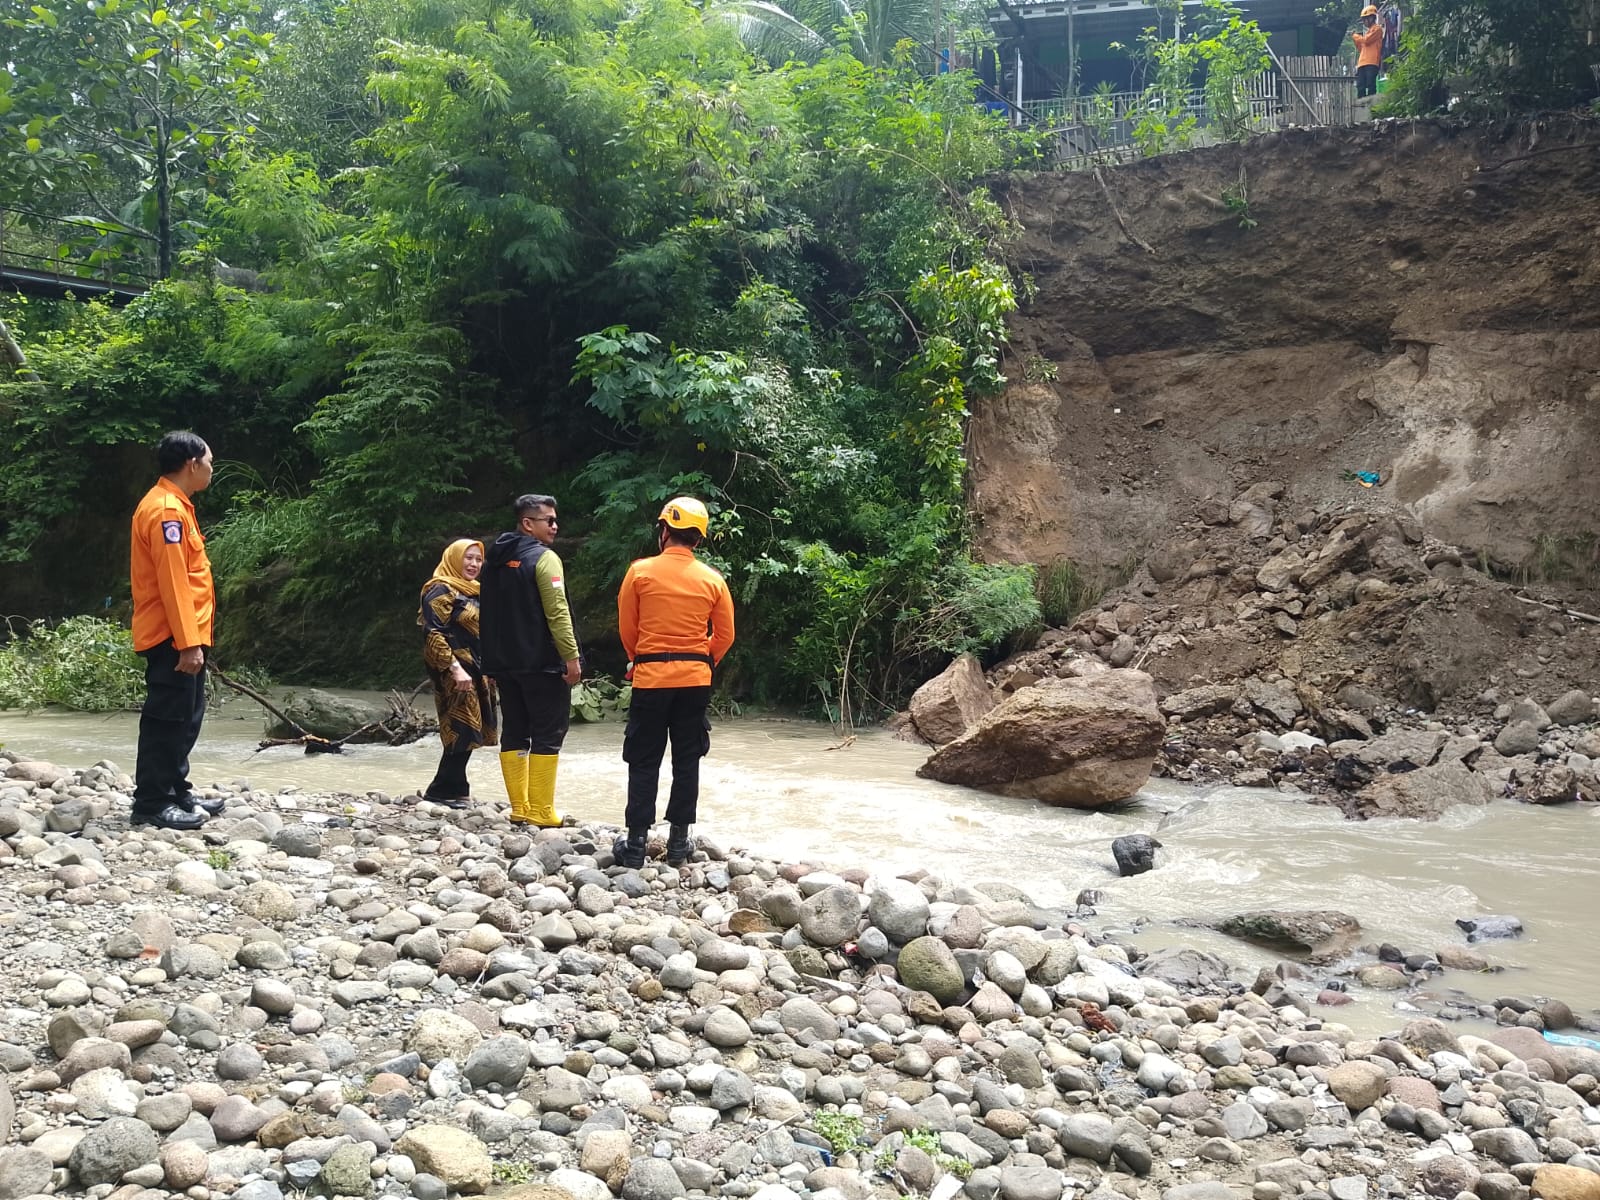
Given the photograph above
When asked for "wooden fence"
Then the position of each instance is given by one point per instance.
(1099, 128)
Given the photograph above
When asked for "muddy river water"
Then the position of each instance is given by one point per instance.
(777, 787)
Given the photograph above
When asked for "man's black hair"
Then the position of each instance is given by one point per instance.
(178, 448)
(532, 502)
(682, 537)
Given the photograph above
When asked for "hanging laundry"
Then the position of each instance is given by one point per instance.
(1389, 17)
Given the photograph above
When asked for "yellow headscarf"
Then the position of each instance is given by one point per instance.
(452, 568)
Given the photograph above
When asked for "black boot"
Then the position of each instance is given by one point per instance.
(678, 846)
(630, 853)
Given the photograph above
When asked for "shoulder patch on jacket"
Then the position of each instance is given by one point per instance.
(172, 532)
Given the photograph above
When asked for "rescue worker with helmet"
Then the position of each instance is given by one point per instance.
(675, 615)
(1369, 43)
(173, 606)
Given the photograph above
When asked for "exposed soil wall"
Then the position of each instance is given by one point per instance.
(1192, 389)
(1417, 298)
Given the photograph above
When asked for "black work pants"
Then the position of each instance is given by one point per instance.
(656, 715)
(535, 710)
(1366, 81)
(169, 724)
(450, 780)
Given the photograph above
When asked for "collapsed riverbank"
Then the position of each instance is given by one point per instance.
(354, 994)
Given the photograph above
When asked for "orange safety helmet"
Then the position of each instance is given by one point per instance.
(1370, 10)
(685, 512)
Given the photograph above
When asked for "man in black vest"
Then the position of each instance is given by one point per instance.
(530, 650)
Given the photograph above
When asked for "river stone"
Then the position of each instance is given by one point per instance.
(240, 1062)
(1518, 737)
(452, 1155)
(236, 1119)
(1030, 1183)
(1357, 1085)
(109, 1151)
(731, 1089)
(950, 703)
(94, 1054)
(299, 841)
(328, 716)
(500, 1060)
(24, 1171)
(269, 903)
(8, 1110)
(899, 909)
(1509, 1146)
(1572, 708)
(437, 1034)
(651, 1179)
(348, 1171)
(1087, 1135)
(1424, 794)
(1556, 1182)
(1081, 743)
(726, 1028)
(1241, 1122)
(831, 916)
(800, 1012)
(1135, 853)
(184, 1164)
(926, 964)
(1325, 934)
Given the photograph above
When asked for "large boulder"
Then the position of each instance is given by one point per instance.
(951, 702)
(1081, 743)
(1425, 794)
(1324, 934)
(326, 715)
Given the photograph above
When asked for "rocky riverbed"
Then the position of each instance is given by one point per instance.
(355, 995)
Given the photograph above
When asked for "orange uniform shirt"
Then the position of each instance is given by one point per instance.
(674, 604)
(173, 598)
(1371, 44)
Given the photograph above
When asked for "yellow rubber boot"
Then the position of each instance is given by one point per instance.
(542, 791)
(514, 770)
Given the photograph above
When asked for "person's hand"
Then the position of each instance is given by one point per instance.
(463, 681)
(191, 661)
(573, 673)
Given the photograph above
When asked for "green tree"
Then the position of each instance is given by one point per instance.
(1517, 54)
(123, 107)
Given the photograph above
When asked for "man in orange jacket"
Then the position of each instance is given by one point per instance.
(1369, 42)
(173, 605)
(676, 619)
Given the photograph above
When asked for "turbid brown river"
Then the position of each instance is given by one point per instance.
(775, 786)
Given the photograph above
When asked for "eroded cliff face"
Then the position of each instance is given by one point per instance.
(1419, 299)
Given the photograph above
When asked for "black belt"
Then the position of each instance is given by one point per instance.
(650, 658)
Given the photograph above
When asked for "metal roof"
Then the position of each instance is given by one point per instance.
(1093, 19)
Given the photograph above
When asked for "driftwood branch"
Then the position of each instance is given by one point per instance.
(312, 743)
(1556, 608)
(1535, 154)
(1121, 221)
(259, 699)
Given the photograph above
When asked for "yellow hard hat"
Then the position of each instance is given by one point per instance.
(1370, 10)
(685, 512)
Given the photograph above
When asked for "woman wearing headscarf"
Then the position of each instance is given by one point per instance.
(463, 695)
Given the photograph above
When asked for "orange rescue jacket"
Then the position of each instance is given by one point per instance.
(171, 575)
(1371, 43)
(673, 604)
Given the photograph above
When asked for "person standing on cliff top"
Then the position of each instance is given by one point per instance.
(675, 616)
(528, 647)
(173, 607)
(1369, 43)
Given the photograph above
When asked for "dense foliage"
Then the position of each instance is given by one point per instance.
(85, 663)
(424, 255)
(1491, 56)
